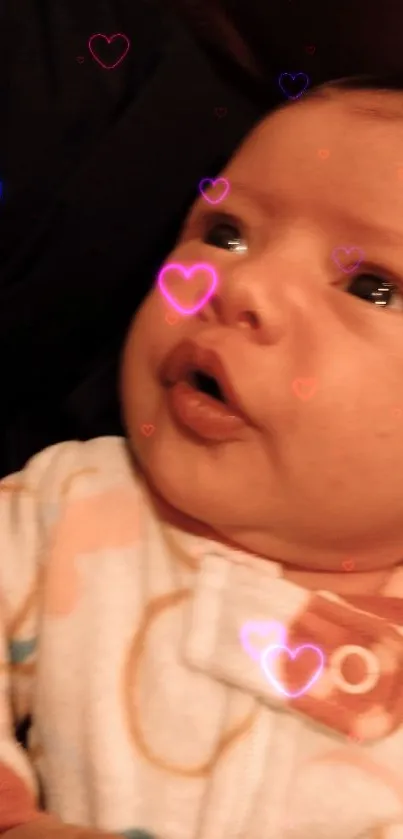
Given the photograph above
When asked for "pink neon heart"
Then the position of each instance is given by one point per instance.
(187, 274)
(109, 40)
(214, 183)
(280, 648)
(347, 251)
(263, 629)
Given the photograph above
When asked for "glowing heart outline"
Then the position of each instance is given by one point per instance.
(213, 182)
(293, 76)
(255, 628)
(347, 251)
(272, 679)
(109, 40)
(199, 266)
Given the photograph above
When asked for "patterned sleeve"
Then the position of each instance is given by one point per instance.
(26, 504)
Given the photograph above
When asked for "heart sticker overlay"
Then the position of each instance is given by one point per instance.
(355, 738)
(271, 653)
(348, 565)
(109, 42)
(224, 188)
(187, 273)
(301, 84)
(304, 388)
(323, 153)
(220, 112)
(264, 629)
(147, 429)
(359, 256)
(171, 318)
(310, 50)
(80, 59)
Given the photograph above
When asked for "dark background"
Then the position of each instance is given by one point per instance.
(99, 168)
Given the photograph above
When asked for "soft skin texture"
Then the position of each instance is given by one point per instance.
(309, 483)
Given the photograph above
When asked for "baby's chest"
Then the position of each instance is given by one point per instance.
(140, 704)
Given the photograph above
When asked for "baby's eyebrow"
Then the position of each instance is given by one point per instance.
(266, 203)
(254, 196)
(377, 103)
(363, 227)
(378, 111)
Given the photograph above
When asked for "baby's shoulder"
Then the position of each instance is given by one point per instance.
(76, 469)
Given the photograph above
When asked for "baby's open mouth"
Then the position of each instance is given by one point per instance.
(201, 394)
(201, 369)
(206, 384)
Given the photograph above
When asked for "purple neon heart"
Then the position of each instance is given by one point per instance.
(276, 649)
(173, 266)
(214, 183)
(293, 76)
(347, 251)
(263, 629)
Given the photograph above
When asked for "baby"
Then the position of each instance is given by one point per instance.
(204, 622)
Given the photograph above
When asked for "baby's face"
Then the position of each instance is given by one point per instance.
(315, 475)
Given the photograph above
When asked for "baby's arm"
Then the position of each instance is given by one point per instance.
(20, 817)
(25, 501)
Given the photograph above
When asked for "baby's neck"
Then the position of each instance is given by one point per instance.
(344, 583)
(368, 583)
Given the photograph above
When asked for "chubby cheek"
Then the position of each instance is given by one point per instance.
(149, 339)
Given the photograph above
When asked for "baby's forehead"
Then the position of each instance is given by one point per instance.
(335, 109)
(332, 137)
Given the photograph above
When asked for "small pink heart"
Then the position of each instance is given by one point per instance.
(304, 388)
(147, 429)
(224, 186)
(272, 652)
(171, 318)
(264, 629)
(109, 41)
(310, 50)
(359, 256)
(80, 59)
(188, 273)
(348, 565)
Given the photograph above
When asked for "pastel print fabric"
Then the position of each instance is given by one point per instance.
(121, 637)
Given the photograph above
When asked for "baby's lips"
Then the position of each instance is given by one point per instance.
(360, 688)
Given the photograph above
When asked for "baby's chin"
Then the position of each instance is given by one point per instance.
(340, 575)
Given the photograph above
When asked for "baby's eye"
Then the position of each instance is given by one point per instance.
(225, 235)
(376, 290)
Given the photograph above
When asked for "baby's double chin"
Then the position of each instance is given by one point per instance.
(344, 582)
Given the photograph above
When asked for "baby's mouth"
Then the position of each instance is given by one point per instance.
(206, 384)
(203, 370)
(201, 395)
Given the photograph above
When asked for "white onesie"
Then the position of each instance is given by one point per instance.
(178, 688)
